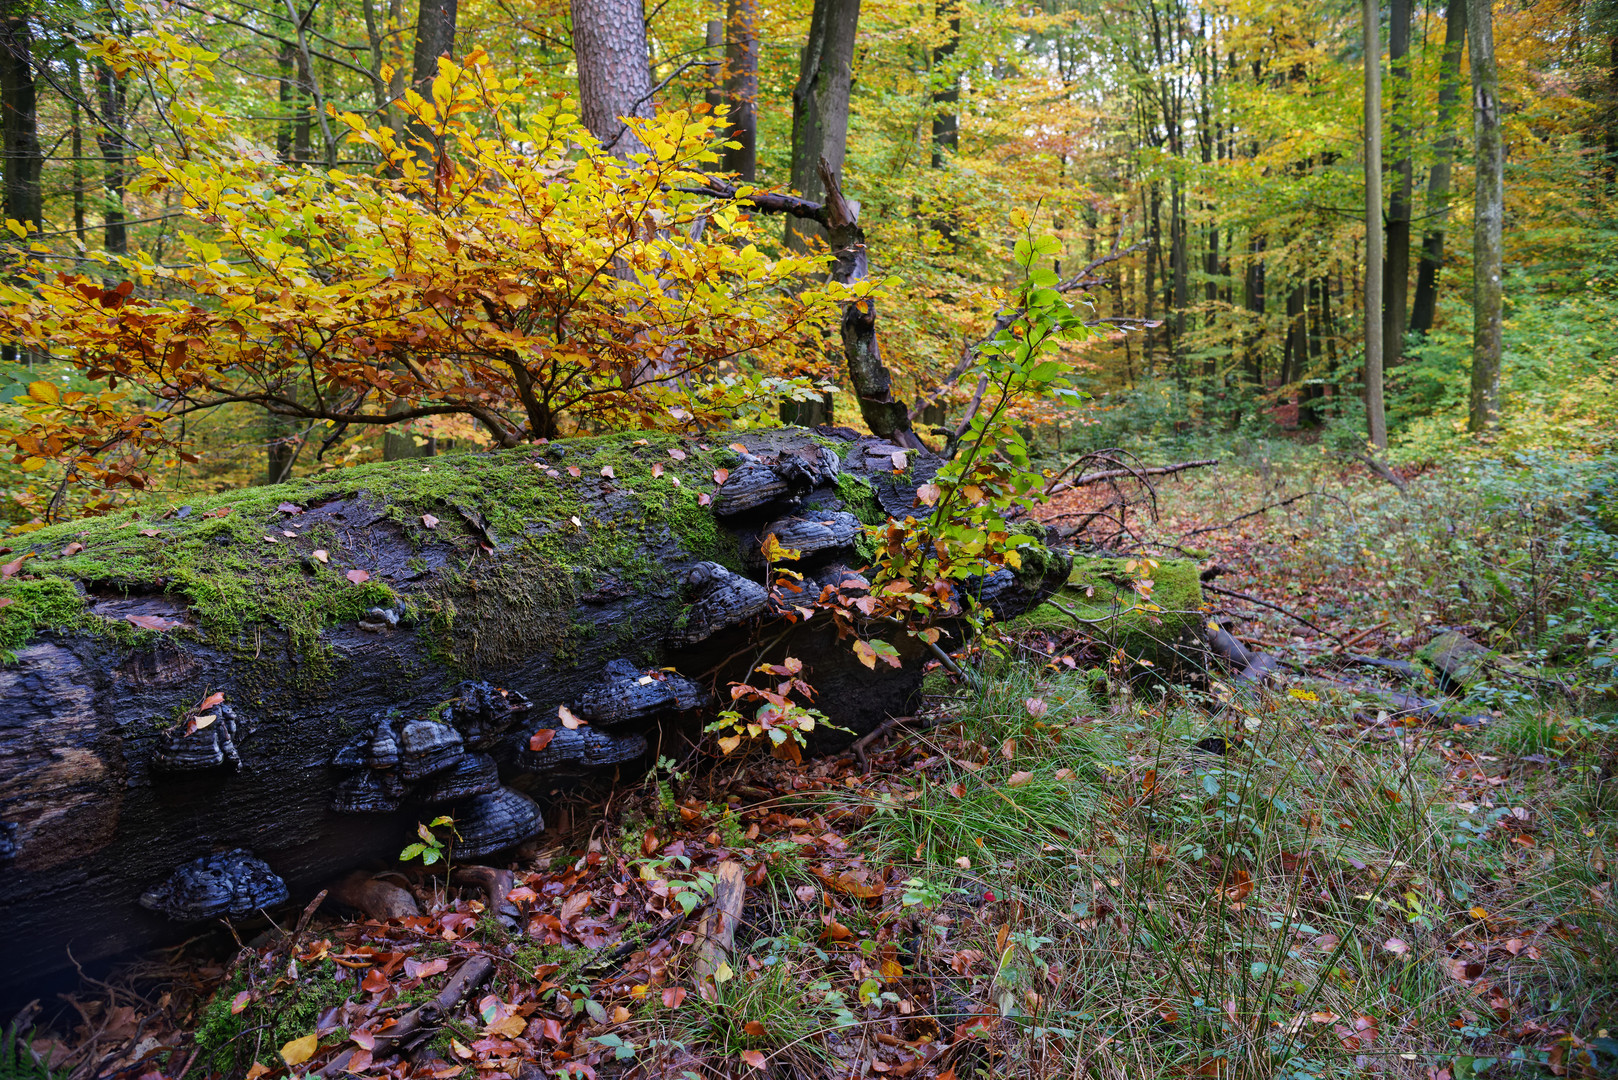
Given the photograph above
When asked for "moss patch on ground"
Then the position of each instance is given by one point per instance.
(237, 561)
(1102, 592)
(228, 1042)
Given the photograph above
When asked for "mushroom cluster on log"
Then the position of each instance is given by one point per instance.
(392, 642)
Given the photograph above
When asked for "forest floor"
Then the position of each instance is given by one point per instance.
(1063, 872)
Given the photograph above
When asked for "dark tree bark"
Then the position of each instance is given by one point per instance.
(1425, 304)
(110, 96)
(1488, 219)
(1396, 268)
(529, 577)
(947, 81)
(820, 105)
(1376, 423)
(741, 87)
(24, 159)
(615, 74)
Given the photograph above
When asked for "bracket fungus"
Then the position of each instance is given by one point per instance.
(230, 883)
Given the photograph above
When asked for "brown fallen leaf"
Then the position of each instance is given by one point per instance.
(10, 569)
(756, 1029)
(73, 549)
(673, 995)
(753, 1058)
(358, 577)
(606, 470)
(153, 622)
(721, 475)
(677, 454)
(429, 521)
(568, 718)
(319, 555)
(574, 470)
(6, 601)
(540, 739)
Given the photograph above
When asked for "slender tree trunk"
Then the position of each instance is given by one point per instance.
(76, 80)
(947, 86)
(1487, 219)
(1253, 290)
(1396, 271)
(713, 52)
(1295, 355)
(110, 92)
(741, 87)
(820, 107)
(1425, 304)
(1375, 421)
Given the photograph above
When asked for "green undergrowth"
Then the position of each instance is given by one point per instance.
(230, 1036)
(1312, 902)
(230, 564)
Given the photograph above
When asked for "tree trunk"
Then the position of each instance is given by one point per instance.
(820, 104)
(946, 97)
(1396, 270)
(615, 72)
(1375, 422)
(498, 566)
(110, 94)
(741, 88)
(1487, 220)
(1425, 304)
(24, 159)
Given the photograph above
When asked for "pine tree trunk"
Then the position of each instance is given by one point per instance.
(615, 73)
(741, 88)
(24, 159)
(1487, 220)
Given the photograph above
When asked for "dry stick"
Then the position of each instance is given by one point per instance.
(717, 933)
(1356, 635)
(1114, 474)
(884, 728)
(469, 977)
(1273, 607)
(1244, 517)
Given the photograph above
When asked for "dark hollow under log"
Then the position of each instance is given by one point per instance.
(296, 676)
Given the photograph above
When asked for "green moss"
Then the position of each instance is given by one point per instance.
(236, 583)
(1101, 591)
(860, 500)
(228, 1043)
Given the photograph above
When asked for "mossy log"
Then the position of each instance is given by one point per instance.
(354, 636)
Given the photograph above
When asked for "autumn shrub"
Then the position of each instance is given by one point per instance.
(500, 267)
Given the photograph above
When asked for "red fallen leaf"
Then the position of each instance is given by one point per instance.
(218, 513)
(358, 577)
(550, 1029)
(359, 1062)
(290, 508)
(153, 622)
(574, 470)
(540, 739)
(756, 1029)
(421, 969)
(210, 701)
(11, 568)
(150, 532)
(73, 549)
(753, 1058)
(657, 468)
(364, 1040)
(703, 500)
(429, 521)
(721, 475)
(673, 995)
(374, 982)
(677, 454)
(6, 601)
(1461, 970)
(240, 1002)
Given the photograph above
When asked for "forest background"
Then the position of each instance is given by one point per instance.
(1203, 162)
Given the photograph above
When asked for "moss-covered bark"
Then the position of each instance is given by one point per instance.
(1156, 626)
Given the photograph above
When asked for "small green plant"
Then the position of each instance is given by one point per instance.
(431, 847)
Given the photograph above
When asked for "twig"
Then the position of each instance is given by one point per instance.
(1381, 470)
(1244, 517)
(1356, 635)
(1114, 474)
(1273, 607)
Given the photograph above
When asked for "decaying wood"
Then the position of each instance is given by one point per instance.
(531, 589)
(496, 884)
(1056, 488)
(716, 935)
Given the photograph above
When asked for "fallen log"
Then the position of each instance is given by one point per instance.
(228, 704)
